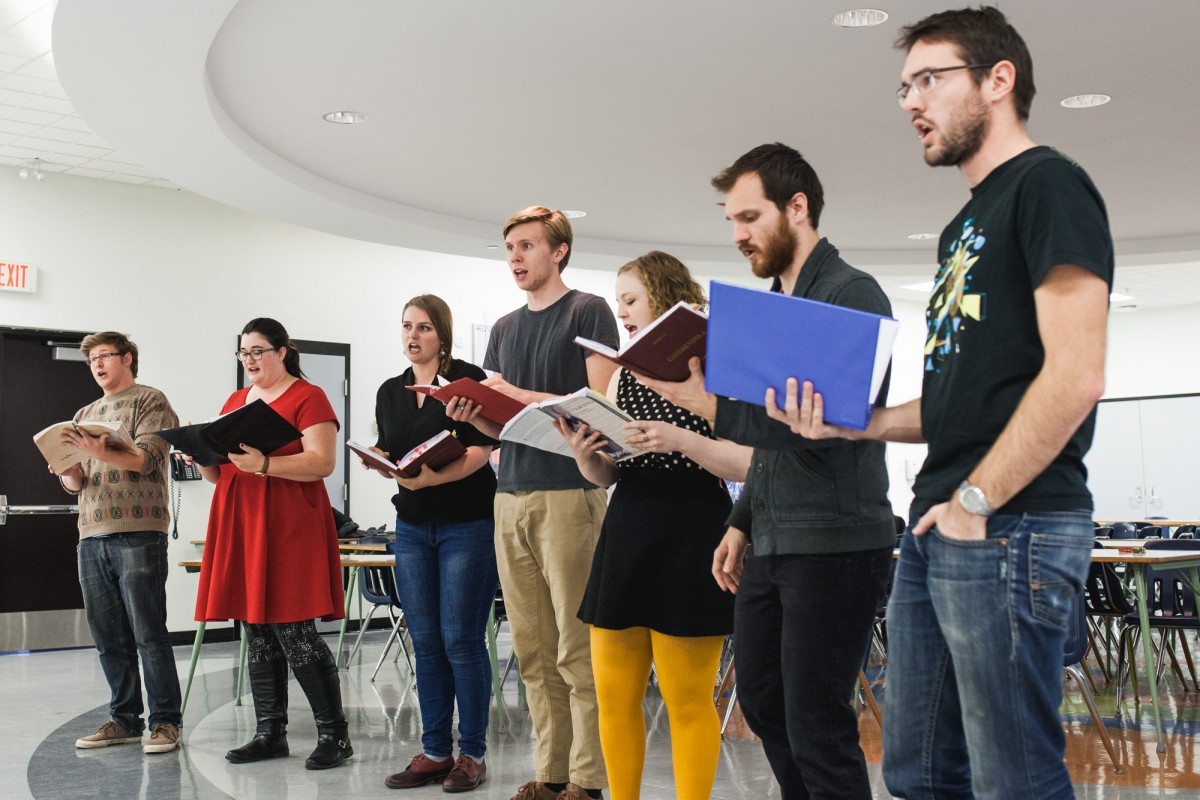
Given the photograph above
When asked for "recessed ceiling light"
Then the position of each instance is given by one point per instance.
(493, 247)
(1117, 297)
(573, 214)
(1085, 101)
(924, 286)
(1124, 309)
(920, 237)
(346, 117)
(860, 18)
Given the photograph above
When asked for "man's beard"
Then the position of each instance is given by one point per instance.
(963, 137)
(777, 252)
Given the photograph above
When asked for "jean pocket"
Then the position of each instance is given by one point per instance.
(1057, 566)
(999, 529)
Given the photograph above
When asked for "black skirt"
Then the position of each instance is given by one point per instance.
(653, 563)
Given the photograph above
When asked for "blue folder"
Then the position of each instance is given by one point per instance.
(758, 339)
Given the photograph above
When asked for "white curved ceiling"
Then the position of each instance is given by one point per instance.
(623, 109)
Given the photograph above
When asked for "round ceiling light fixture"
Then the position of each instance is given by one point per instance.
(345, 117)
(921, 237)
(573, 214)
(1085, 101)
(860, 18)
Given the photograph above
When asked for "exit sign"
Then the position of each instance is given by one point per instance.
(17, 277)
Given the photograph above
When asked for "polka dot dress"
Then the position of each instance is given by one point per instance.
(640, 402)
(667, 515)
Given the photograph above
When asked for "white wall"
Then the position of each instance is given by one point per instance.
(181, 275)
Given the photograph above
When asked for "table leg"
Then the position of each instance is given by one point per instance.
(497, 686)
(1139, 579)
(351, 583)
(241, 667)
(192, 666)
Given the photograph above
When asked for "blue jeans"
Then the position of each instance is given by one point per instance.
(446, 579)
(124, 581)
(976, 632)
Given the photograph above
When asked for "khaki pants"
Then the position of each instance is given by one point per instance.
(544, 546)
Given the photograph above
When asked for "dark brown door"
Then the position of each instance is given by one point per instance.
(37, 553)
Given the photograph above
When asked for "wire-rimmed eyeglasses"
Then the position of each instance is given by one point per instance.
(100, 357)
(927, 80)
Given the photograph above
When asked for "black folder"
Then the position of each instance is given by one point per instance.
(256, 424)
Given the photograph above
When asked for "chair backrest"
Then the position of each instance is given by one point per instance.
(1103, 531)
(1124, 530)
(1103, 593)
(1168, 595)
(378, 585)
(1077, 642)
(1184, 532)
(1150, 532)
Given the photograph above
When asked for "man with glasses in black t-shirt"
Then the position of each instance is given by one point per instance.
(1014, 364)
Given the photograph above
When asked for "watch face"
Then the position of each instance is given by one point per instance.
(973, 500)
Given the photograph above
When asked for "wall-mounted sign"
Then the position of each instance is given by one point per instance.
(17, 277)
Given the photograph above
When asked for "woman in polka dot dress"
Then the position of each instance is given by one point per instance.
(651, 597)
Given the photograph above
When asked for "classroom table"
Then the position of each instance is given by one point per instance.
(1136, 559)
(1170, 523)
(352, 562)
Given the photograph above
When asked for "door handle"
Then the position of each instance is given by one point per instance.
(6, 509)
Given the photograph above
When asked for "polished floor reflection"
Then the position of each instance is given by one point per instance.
(51, 698)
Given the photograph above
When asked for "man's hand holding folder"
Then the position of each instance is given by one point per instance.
(805, 414)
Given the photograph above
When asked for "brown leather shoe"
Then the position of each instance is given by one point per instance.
(534, 790)
(466, 775)
(573, 792)
(421, 771)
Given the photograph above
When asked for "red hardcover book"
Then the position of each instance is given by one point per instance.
(437, 452)
(662, 349)
(498, 408)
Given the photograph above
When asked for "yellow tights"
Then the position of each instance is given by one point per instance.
(687, 669)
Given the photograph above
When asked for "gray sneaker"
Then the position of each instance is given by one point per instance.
(110, 733)
(163, 739)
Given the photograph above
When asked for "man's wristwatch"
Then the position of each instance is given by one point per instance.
(973, 499)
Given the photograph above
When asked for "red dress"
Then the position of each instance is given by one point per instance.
(271, 553)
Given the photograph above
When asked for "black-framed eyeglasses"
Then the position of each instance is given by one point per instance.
(927, 80)
(100, 357)
(253, 354)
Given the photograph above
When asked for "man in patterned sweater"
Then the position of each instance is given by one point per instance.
(123, 521)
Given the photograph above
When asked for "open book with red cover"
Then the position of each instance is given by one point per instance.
(436, 451)
(662, 349)
(497, 407)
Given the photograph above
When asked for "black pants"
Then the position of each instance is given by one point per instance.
(802, 625)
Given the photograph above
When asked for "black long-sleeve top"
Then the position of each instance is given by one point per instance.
(403, 426)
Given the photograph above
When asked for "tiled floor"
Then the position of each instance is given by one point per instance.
(51, 698)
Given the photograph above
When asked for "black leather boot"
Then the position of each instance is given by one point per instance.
(320, 683)
(268, 686)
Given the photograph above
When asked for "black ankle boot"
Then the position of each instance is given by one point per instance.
(268, 686)
(320, 683)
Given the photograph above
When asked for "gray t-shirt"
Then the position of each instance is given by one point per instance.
(536, 350)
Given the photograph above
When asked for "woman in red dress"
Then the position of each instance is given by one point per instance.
(271, 558)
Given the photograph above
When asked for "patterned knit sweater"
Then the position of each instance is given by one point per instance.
(119, 501)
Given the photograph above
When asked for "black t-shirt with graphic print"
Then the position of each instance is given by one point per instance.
(1033, 212)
